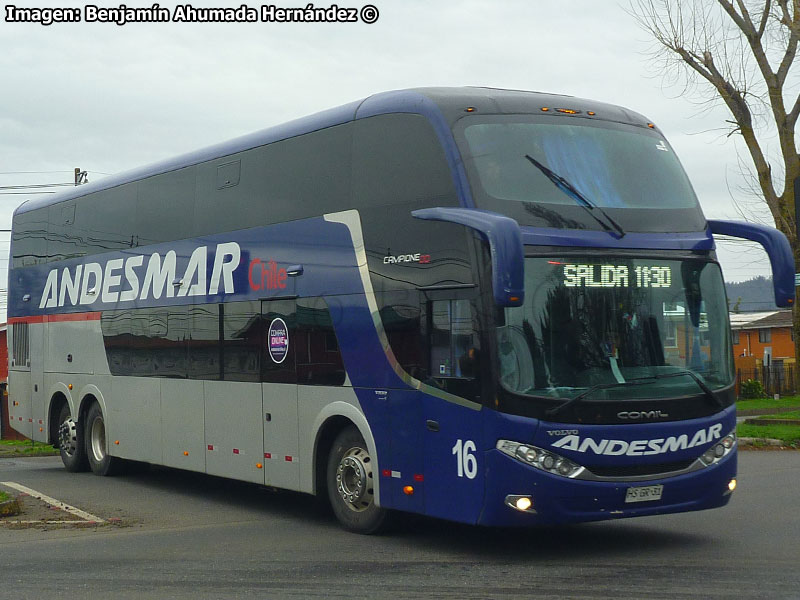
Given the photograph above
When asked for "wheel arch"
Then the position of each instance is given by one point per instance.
(330, 421)
(58, 400)
(89, 395)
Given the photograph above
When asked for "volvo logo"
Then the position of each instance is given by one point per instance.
(633, 415)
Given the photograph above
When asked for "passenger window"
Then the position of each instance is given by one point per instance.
(454, 341)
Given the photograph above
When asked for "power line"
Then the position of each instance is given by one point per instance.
(25, 193)
(31, 172)
(34, 186)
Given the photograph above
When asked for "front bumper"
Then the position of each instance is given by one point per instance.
(557, 500)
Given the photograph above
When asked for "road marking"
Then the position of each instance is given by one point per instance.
(53, 502)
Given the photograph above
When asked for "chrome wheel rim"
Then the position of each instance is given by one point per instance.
(68, 437)
(97, 437)
(354, 479)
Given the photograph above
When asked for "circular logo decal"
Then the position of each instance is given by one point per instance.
(278, 342)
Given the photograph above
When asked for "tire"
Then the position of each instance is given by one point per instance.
(350, 484)
(100, 461)
(70, 442)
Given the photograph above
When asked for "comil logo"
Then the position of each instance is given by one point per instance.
(418, 258)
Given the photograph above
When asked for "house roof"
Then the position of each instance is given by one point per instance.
(761, 320)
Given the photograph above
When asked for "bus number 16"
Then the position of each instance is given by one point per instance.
(467, 463)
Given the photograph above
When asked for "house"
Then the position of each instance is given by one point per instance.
(5, 428)
(763, 339)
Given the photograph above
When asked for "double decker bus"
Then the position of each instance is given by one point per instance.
(490, 306)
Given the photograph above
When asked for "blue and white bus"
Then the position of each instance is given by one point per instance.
(495, 307)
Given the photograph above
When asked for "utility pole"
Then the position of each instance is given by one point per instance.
(81, 177)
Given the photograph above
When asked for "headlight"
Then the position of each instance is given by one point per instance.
(719, 450)
(540, 458)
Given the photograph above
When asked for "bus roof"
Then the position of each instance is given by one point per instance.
(441, 105)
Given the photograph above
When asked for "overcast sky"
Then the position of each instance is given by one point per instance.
(107, 98)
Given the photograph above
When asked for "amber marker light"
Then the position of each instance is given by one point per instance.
(69, 386)
(259, 466)
(116, 442)
(185, 453)
(470, 109)
(408, 490)
(651, 125)
(591, 113)
(545, 109)
(567, 111)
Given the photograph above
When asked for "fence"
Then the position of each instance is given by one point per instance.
(777, 379)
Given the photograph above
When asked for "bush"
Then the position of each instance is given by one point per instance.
(752, 389)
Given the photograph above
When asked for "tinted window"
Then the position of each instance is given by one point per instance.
(28, 238)
(149, 342)
(205, 350)
(242, 341)
(400, 313)
(396, 159)
(105, 221)
(319, 361)
(165, 207)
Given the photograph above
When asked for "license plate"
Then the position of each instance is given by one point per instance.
(646, 493)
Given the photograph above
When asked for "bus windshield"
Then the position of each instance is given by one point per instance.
(523, 166)
(588, 154)
(616, 323)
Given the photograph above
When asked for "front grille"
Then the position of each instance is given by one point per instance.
(641, 470)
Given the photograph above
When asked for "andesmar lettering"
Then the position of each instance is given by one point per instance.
(640, 447)
(85, 284)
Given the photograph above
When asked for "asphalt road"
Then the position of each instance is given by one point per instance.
(192, 536)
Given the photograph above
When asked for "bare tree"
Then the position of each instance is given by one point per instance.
(741, 52)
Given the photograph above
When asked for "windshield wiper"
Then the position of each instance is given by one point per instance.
(571, 191)
(707, 391)
(600, 386)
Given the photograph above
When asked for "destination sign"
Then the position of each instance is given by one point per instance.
(617, 276)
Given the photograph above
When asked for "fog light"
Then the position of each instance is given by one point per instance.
(732, 485)
(521, 503)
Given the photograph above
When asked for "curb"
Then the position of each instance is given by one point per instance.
(749, 441)
(8, 454)
(772, 421)
(757, 412)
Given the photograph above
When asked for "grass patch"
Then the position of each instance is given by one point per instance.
(795, 414)
(25, 448)
(788, 434)
(761, 403)
(4, 497)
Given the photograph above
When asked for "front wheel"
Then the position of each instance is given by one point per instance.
(351, 484)
(100, 461)
(70, 442)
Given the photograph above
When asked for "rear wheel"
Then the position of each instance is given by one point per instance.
(351, 484)
(70, 442)
(100, 461)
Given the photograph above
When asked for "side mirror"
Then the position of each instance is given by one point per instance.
(505, 245)
(777, 248)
